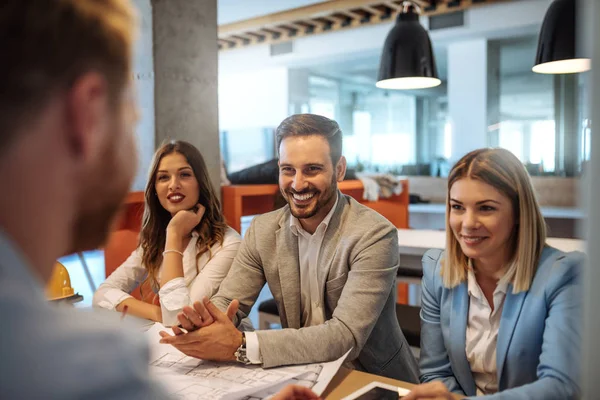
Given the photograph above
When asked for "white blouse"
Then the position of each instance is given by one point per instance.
(482, 334)
(179, 292)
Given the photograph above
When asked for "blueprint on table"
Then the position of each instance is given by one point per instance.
(193, 379)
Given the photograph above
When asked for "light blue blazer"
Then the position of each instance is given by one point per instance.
(538, 349)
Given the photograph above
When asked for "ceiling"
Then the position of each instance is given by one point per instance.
(524, 93)
(520, 87)
(237, 10)
(516, 57)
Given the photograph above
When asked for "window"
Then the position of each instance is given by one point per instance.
(380, 132)
(527, 109)
(243, 148)
(543, 145)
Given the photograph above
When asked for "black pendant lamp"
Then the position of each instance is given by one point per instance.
(407, 60)
(556, 53)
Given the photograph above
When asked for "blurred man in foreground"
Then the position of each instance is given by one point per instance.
(67, 160)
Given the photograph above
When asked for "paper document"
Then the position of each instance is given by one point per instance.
(314, 376)
(190, 378)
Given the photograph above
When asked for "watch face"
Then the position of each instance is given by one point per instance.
(242, 358)
(240, 355)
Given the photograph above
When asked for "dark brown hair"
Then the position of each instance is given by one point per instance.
(48, 44)
(312, 124)
(154, 223)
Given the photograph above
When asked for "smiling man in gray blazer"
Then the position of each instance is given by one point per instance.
(329, 261)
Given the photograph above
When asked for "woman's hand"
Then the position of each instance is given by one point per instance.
(296, 392)
(184, 221)
(430, 391)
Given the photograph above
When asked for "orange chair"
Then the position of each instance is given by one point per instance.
(119, 246)
(124, 238)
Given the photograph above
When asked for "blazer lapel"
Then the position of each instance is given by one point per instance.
(289, 273)
(458, 339)
(513, 303)
(329, 246)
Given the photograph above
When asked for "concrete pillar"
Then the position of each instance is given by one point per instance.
(298, 90)
(422, 126)
(143, 74)
(185, 83)
(566, 124)
(473, 94)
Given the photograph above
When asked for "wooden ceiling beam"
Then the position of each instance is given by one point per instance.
(373, 10)
(296, 14)
(328, 16)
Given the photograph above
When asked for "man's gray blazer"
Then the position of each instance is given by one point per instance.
(357, 271)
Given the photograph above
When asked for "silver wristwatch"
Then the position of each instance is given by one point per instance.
(240, 353)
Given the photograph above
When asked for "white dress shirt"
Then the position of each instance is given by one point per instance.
(311, 296)
(482, 334)
(201, 278)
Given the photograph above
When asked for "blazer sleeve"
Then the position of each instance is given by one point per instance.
(245, 279)
(558, 371)
(373, 266)
(434, 363)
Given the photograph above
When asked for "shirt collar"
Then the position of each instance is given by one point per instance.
(296, 226)
(473, 287)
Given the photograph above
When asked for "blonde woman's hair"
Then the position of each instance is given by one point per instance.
(502, 170)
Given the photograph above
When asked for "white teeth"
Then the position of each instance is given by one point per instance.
(176, 198)
(303, 197)
(473, 239)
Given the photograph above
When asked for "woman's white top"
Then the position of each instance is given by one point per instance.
(197, 282)
(482, 334)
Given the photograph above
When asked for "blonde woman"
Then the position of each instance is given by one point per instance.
(501, 310)
(185, 250)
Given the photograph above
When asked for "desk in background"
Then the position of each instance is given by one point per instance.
(561, 221)
(413, 243)
(241, 200)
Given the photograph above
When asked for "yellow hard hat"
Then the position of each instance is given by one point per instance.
(59, 285)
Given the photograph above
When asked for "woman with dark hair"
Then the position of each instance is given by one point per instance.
(185, 248)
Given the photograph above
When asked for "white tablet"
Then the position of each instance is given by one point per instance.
(378, 391)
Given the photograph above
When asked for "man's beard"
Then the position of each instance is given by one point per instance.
(323, 198)
(99, 203)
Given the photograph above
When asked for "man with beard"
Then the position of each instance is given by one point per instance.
(67, 159)
(329, 261)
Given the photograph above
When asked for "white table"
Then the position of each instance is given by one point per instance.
(414, 243)
(417, 241)
(562, 221)
(547, 211)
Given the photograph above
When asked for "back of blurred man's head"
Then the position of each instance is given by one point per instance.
(66, 114)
